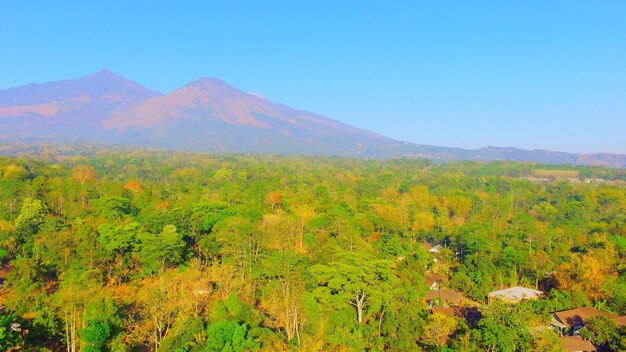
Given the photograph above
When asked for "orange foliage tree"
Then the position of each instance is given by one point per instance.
(274, 198)
(83, 174)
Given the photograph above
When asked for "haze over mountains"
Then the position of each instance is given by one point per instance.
(210, 115)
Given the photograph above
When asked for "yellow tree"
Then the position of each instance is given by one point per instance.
(439, 329)
(423, 222)
(304, 214)
(274, 198)
(391, 215)
(279, 230)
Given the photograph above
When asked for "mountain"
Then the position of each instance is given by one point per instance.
(210, 115)
(551, 157)
(69, 108)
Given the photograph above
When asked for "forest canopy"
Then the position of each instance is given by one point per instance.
(139, 251)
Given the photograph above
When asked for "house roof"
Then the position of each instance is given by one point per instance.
(427, 246)
(436, 248)
(620, 321)
(430, 279)
(555, 322)
(516, 293)
(449, 297)
(573, 317)
(576, 344)
(445, 295)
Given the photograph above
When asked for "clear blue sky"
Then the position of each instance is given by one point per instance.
(529, 74)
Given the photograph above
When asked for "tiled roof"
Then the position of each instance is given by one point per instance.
(445, 295)
(576, 344)
(577, 316)
(429, 280)
(450, 297)
(620, 321)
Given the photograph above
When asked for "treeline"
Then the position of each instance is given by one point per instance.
(141, 251)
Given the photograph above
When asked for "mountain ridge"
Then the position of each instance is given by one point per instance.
(210, 115)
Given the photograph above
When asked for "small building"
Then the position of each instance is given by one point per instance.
(568, 322)
(447, 298)
(432, 249)
(436, 249)
(577, 344)
(434, 281)
(620, 321)
(514, 294)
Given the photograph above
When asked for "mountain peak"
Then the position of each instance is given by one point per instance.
(71, 95)
(212, 82)
(107, 81)
(213, 87)
(105, 73)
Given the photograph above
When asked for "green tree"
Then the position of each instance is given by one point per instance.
(114, 207)
(228, 335)
(32, 215)
(95, 335)
(505, 327)
(355, 279)
(157, 250)
(9, 338)
(232, 322)
(119, 241)
(603, 332)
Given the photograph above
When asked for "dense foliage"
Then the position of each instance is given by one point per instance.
(183, 252)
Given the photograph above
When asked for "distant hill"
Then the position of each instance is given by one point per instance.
(210, 115)
(69, 108)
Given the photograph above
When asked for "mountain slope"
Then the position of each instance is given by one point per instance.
(210, 115)
(67, 108)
